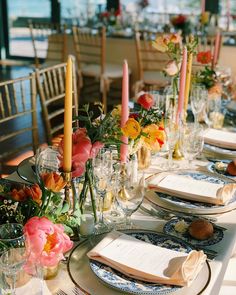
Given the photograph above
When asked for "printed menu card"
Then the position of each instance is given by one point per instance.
(186, 187)
(147, 262)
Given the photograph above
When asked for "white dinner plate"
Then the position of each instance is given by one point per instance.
(173, 203)
(218, 152)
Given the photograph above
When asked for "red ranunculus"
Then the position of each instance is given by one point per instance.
(146, 100)
(204, 57)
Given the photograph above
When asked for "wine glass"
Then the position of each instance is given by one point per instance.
(47, 160)
(198, 100)
(130, 194)
(192, 141)
(14, 253)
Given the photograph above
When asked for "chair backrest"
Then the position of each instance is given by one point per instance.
(18, 117)
(148, 58)
(49, 42)
(89, 46)
(51, 89)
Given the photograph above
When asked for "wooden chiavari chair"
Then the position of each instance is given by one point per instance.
(150, 63)
(49, 42)
(51, 89)
(18, 122)
(90, 48)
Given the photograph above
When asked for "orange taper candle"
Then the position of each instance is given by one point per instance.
(67, 153)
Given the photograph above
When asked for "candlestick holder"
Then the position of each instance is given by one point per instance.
(71, 195)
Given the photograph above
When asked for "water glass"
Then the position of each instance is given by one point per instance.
(129, 195)
(192, 141)
(13, 256)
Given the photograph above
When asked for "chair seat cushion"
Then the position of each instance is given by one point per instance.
(155, 78)
(111, 70)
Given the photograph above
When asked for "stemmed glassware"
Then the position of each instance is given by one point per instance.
(102, 168)
(130, 193)
(192, 141)
(198, 99)
(47, 160)
(14, 253)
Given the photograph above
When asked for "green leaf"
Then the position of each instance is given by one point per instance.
(65, 208)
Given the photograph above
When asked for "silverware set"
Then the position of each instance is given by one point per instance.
(75, 291)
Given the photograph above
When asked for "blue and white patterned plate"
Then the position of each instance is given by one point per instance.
(212, 167)
(123, 283)
(169, 228)
(177, 204)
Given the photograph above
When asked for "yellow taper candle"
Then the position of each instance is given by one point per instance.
(67, 153)
(188, 81)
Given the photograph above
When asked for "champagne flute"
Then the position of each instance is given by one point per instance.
(198, 100)
(14, 253)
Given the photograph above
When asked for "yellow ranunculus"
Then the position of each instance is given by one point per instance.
(131, 129)
(154, 137)
(160, 44)
(205, 18)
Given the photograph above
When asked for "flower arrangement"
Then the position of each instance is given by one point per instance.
(144, 127)
(19, 203)
(98, 130)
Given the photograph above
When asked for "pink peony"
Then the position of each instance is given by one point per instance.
(171, 68)
(47, 241)
(146, 100)
(82, 150)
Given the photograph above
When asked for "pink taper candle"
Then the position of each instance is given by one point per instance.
(203, 3)
(216, 49)
(67, 153)
(182, 82)
(124, 111)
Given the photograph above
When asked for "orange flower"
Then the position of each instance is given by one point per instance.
(53, 181)
(18, 195)
(132, 128)
(161, 43)
(175, 38)
(34, 192)
(154, 137)
(204, 57)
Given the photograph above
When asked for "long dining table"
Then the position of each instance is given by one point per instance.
(145, 219)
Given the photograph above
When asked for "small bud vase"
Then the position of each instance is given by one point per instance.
(50, 272)
(144, 158)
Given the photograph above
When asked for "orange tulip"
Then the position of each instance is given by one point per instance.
(132, 128)
(34, 192)
(53, 181)
(18, 195)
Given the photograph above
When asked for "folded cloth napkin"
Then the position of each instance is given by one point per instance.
(220, 138)
(147, 262)
(186, 187)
